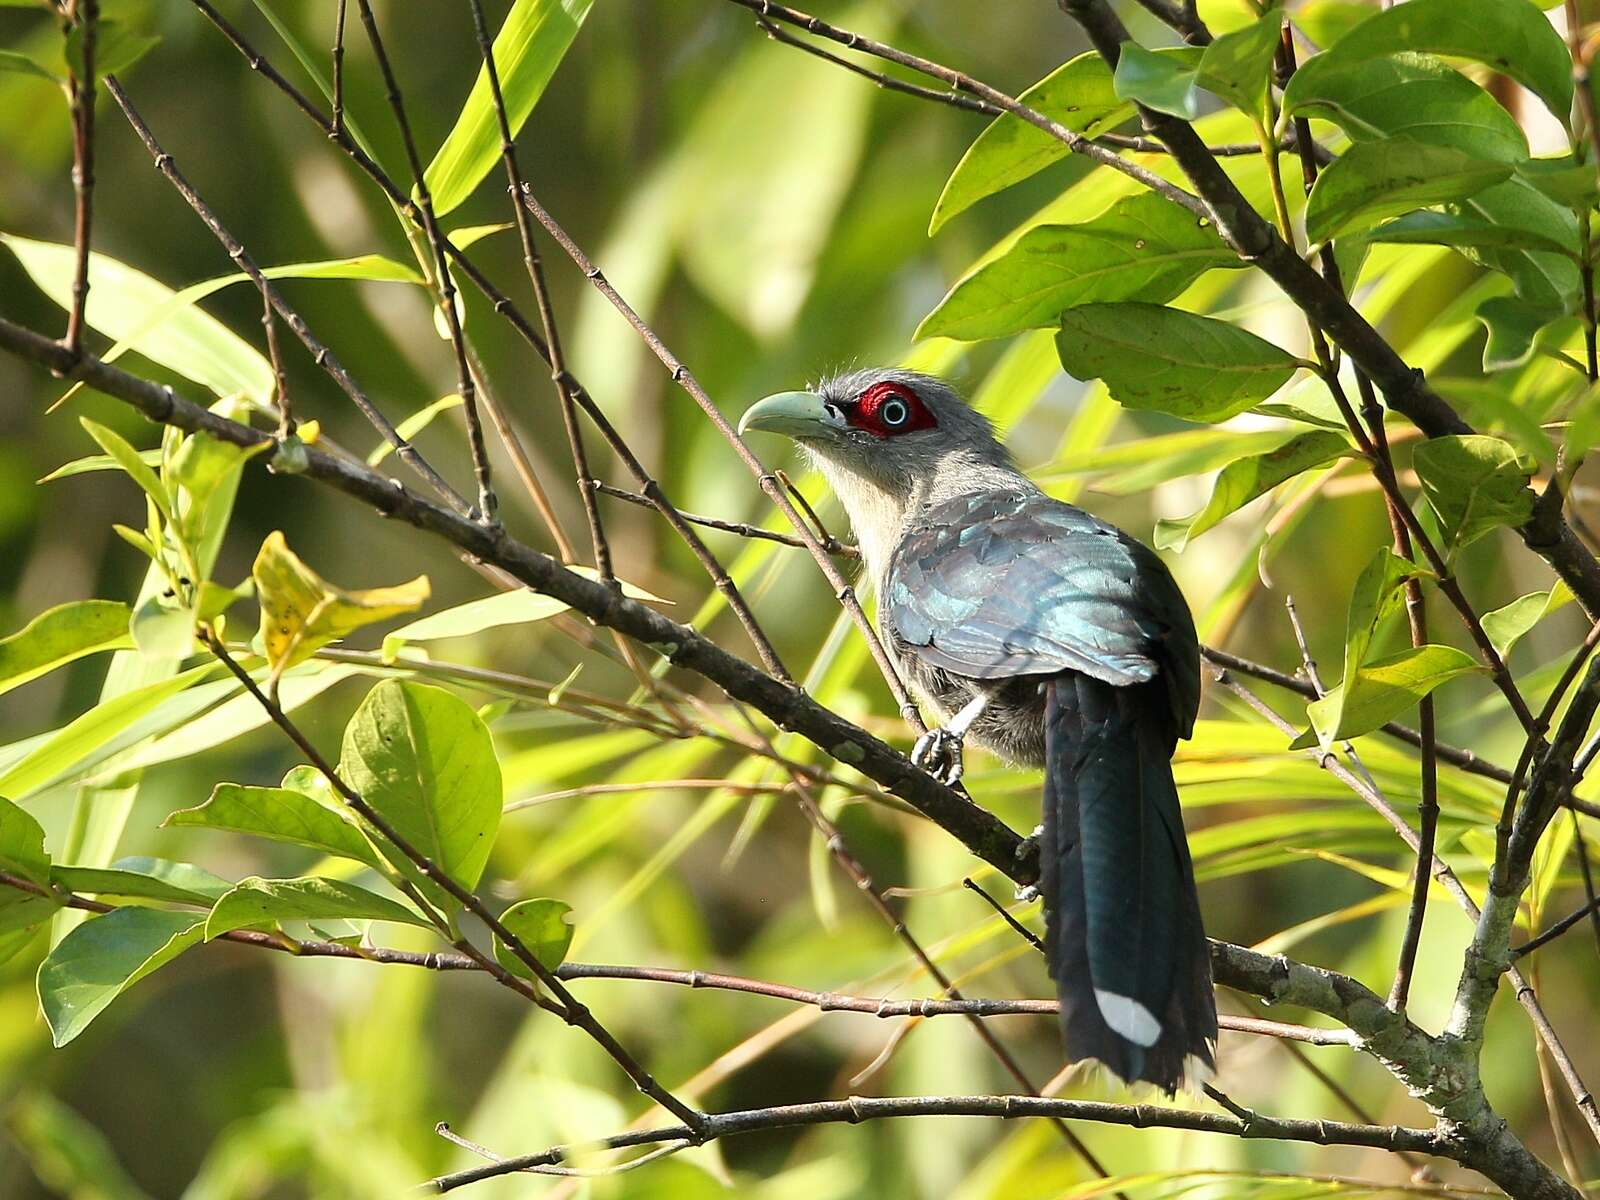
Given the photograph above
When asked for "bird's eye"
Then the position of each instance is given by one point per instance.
(888, 409)
(894, 413)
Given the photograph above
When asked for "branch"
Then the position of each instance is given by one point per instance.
(323, 356)
(87, 14)
(866, 1108)
(570, 1009)
(503, 305)
(446, 287)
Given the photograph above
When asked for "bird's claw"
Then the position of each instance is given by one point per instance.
(1027, 894)
(938, 752)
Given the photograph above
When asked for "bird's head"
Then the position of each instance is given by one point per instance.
(885, 430)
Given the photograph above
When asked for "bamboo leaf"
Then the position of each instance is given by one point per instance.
(1382, 690)
(529, 47)
(61, 635)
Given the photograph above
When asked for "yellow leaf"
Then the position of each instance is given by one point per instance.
(301, 611)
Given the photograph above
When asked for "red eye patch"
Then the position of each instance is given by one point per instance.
(889, 409)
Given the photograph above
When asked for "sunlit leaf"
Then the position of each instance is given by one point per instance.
(283, 815)
(543, 927)
(1238, 66)
(531, 43)
(126, 457)
(1242, 481)
(61, 635)
(413, 425)
(1078, 94)
(1385, 688)
(1143, 248)
(192, 343)
(423, 759)
(1507, 625)
(144, 879)
(1514, 39)
(1413, 96)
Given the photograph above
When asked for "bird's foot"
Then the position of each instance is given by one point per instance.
(1029, 893)
(938, 752)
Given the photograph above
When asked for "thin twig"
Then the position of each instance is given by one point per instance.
(87, 15)
(338, 72)
(445, 286)
(864, 1108)
(1558, 928)
(571, 1010)
(323, 356)
(541, 296)
(741, 528)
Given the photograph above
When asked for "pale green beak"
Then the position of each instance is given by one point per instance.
(793, 414)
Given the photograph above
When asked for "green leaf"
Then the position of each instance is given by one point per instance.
(121, 300)
(1386, 688)
(1514, 39)
(61, 635)
(1077, 95)
(89, 732)
(504, 608)
(530, 45)
(1414, 96)
(1142, 248)
(1193, 367)
(423, 759)
(1373, 180)
(21, 854)
(1474, 484)
(1165, 82)
(1140, 463)
(12, 60)
(283, 815)
(98, 462)
(540, 925)
(1570, 184)
(1373, 597)
(162, 628)
(104, 957)
(1464, 230)
(261, 903)
(1238, 66)
(1514, 326)
(466, 235)
(1548, 280)
(1507, 625)
(144, 879)
(116, 47)
(1242, 481)
(117, 447)
(1324, 22)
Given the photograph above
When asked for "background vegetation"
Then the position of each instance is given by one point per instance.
(769, 215)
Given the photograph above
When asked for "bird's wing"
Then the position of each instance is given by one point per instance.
(999, 584)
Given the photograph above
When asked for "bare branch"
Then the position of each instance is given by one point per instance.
(864, 1108)
(87, 15)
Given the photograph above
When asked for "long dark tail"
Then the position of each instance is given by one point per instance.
(1122, 921)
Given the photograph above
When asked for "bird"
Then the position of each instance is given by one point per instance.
(1054, 640)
